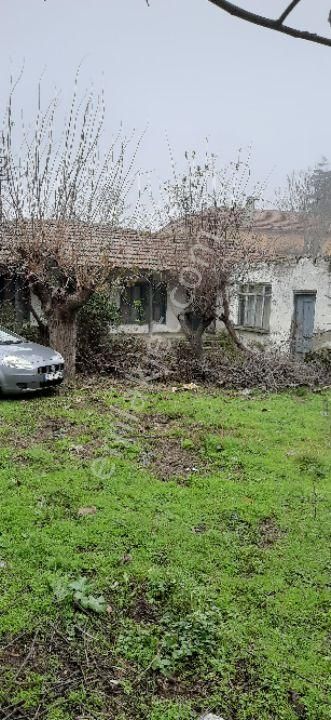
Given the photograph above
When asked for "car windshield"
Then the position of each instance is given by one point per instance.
(8, 338)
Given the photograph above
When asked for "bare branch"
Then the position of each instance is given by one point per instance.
(57, 190)
(277, 25)
(207, 212)
(288, 10)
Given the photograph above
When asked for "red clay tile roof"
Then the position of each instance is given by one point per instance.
(272, 233)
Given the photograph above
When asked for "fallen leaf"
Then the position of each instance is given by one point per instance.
(83, 511)
(77, 448)
(190, 386)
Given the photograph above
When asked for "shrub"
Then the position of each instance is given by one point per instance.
(8, 320)
(94, 321)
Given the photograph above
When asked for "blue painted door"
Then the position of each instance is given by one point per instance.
(304, 321)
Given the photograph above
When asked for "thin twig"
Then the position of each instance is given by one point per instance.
(288, 10)
(13, 641)
(27, 657)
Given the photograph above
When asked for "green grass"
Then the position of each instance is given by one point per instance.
(205, 555)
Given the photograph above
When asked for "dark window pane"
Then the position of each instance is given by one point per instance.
(160, 303)
(135, 303)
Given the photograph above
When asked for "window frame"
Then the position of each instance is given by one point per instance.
(153, 296)
(249, 296)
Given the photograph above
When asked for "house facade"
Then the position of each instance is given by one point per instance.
(282, 302)
(285, 305)
(279, 305)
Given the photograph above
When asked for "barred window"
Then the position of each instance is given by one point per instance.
(255, 306)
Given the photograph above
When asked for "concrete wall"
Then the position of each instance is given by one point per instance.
(286, 278)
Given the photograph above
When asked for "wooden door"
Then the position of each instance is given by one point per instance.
(304, 321)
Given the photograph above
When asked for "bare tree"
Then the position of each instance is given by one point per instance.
(209, 213)
(277, 24)
(308, 196)
(61, 197)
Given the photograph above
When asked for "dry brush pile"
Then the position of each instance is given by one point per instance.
(222, 365)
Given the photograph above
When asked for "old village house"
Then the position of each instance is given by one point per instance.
(281, 300)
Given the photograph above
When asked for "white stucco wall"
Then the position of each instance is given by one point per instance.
(36, 304)
(286, 278)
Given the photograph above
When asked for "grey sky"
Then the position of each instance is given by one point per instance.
(184, 68)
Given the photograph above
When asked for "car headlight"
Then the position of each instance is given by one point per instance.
(57, 358)
(18, 363)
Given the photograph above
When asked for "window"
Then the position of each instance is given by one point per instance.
(255, 306)
(15, 297)
(7, 289)
(22, 300)
(144, 301)
(134, 303)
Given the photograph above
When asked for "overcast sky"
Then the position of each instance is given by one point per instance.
(185, 69)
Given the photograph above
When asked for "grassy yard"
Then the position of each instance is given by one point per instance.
(164, 554)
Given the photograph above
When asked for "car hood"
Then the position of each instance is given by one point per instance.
(37, 354)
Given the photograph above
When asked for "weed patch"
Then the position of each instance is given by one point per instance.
(128, 598)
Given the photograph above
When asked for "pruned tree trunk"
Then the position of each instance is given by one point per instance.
(195, 340)
(42, 325)
(62, 325)
(226, 319)
(232, 332)
(195, 336)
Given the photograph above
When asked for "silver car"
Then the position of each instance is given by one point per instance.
(26, 366)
